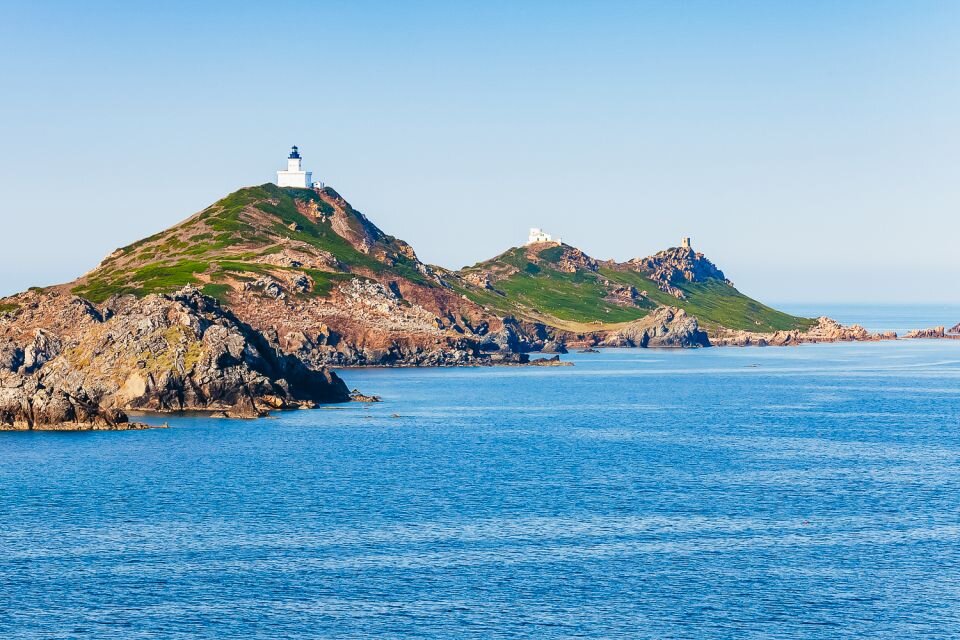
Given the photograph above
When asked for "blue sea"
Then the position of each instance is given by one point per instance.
(802, 492)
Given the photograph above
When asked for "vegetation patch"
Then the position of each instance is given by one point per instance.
(216, 290)
(514, 257)
(151, 278)
(236, 266)
(576, 297)
(537, 290)
(715, 304)
(553, 254)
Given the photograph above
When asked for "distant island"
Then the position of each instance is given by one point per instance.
(244, 306)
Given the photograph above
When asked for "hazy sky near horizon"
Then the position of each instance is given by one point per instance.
(811, 149)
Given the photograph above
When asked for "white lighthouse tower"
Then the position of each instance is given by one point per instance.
(295, 176)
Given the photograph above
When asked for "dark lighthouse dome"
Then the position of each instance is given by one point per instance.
(295, 154)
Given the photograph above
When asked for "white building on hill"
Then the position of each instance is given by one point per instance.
(539, 235)
(295, 176)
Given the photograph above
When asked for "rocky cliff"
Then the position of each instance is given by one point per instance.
(68, 363)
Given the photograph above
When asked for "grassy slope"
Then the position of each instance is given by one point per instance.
(542, 293)
(575, 301)
(716, 304)
(219, 245)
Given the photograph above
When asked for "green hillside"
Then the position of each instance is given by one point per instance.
(717, 304)
(227, 243)
(538, 289)
(531, 285)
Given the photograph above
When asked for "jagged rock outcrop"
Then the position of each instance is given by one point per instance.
(674, 266)
(573, 259)
(825, 330)
(665, 327)
(935, 333)
(28, 403)
(180, 352)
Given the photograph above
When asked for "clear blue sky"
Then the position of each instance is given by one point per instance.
(811, 149)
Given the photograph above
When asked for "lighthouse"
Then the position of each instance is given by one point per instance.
(295, 176)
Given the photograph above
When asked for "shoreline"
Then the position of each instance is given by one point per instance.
(75, 427)
(584, 348)
(133, 425)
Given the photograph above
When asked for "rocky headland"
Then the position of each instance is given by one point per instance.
(243, 308)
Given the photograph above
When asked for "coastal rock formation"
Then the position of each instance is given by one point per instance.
(935, 332)
(179, 352)
(825, 330)
(26, 402)
(240, 309)
(665, 327)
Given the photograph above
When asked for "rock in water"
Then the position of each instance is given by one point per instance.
(934, 332)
